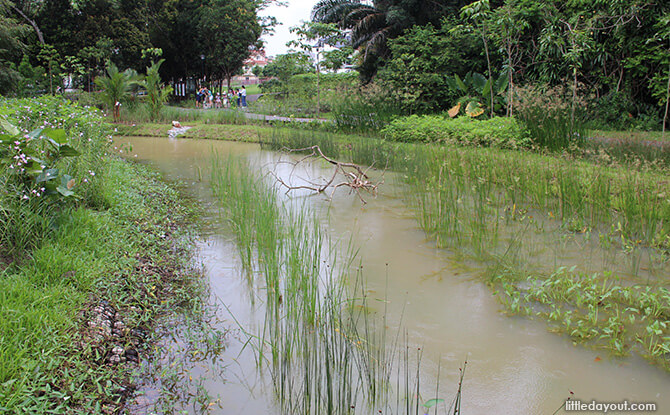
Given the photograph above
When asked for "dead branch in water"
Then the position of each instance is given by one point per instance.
(352, 175)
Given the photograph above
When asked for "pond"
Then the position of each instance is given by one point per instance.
(436, 299)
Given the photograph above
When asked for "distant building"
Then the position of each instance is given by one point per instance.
(257, 58)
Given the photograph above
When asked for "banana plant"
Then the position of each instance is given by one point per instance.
(476, 93)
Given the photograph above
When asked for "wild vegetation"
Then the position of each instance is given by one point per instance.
(324, 352)
(81, 230)
(491, 204)
(496, 117)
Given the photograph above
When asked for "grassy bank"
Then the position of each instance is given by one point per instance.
(247, 133)
(80, 299)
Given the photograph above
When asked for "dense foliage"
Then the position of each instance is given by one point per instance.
(75, 39)
(501, 132)
(616, 53)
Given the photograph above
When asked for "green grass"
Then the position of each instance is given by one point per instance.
(251, 89)
(66, 258)
(629, 135)
(92, 254)
(247, 133)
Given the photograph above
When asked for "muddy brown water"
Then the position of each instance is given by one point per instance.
(515, 365)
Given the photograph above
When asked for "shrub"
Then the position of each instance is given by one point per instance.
(51, 158)
(547, 115)
(497, 132)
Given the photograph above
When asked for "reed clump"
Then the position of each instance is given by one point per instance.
(324, 352)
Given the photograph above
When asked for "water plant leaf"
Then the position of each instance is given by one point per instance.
(58, 135)
(460, 83)
(474, 109)
(432, 402)
(65, 191)
(67, 151)
(486, 91)
(9, 127)
(479, 81)
(502, 82)
(46, 175)
(455, 110)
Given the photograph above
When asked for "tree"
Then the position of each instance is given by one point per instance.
(508, 24)
(372, 25)
(49, 56)
(283, 67)
(11, 44)
(312, 37)
(422, 60)
(228, 31)
(116, 87)
(478, 14)
(157, 93)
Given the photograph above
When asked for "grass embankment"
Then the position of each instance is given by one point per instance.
(79, 301)
(246, 133)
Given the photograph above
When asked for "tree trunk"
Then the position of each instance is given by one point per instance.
(574, 97)
(510, 101)
(318, 90)
(488, 62)
(667, 103)
(40, 37)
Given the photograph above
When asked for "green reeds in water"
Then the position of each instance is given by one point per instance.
(504, 208)
(324, 351)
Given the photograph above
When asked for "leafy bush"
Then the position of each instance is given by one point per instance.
(300, 98)
(618, 111)
(366, 110)
(51, 157)
(496, 132)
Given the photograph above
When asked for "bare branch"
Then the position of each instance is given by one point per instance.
(355, 177)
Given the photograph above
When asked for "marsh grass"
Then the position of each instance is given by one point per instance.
(490, 204)
(324, 350)
(635, 202)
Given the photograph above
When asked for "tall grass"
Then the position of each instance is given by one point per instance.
(26, 222)
(573, 192)
(324, 351)
(501, 206)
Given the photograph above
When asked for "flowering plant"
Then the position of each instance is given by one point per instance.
(30, 160)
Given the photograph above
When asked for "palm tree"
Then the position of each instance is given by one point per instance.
(116, 87)
(369, 26)
(157, 93)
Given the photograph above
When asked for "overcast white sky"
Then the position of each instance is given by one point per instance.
(297, 11)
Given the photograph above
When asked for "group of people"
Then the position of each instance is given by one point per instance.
(205, 99)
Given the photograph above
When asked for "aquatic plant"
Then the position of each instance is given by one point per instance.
(324, 352)
(502, 207)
